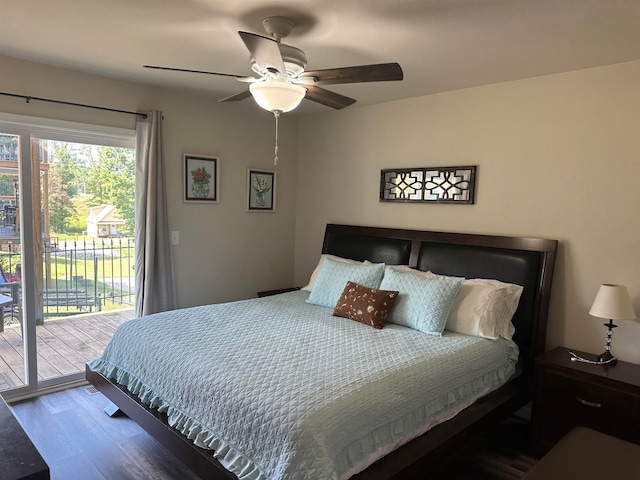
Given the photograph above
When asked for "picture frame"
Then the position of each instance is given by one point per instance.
(261, 190)
(201, 178)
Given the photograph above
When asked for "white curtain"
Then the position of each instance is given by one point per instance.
(155, 288)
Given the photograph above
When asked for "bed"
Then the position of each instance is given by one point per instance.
(404, 448)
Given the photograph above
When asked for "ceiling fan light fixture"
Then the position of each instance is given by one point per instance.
(273, 95)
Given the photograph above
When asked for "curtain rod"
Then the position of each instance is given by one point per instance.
(28, 98)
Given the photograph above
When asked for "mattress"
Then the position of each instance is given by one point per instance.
(280, 389)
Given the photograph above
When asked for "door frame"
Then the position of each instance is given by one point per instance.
(29, 128)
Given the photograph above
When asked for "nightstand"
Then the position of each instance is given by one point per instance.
(268, 293)
(570, 394)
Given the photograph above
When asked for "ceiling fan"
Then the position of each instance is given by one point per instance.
(282, 81)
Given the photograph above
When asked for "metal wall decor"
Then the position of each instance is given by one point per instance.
(428, 185)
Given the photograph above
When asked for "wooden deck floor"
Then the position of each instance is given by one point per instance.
(64, 345)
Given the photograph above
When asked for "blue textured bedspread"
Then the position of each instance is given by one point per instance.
(280, 389)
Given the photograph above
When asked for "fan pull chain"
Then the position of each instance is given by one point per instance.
(276, 114)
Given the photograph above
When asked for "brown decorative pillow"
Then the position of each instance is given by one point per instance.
(365, 305)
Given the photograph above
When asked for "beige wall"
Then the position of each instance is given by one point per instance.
(558, 157)
(225, 253)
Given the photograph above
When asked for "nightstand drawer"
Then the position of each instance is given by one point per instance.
(570, 394)
(570, 402)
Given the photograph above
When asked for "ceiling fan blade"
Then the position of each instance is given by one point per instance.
(241, 77)
(237, 96)
(265, 52)
(328, 98)
(381, 72)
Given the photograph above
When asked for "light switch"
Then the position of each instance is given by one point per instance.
(175, 237)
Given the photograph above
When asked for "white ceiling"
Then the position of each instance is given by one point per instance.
(441, 44)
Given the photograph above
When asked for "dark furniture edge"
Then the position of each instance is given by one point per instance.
(19, 459)
(408, 462)
(199, 460)
(497, 241)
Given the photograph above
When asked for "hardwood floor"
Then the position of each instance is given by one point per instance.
(80, 442)
(503, 454)
(64, 345)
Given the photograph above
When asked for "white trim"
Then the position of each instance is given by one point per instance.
(19, 394)
(29, 128)
(61, 130)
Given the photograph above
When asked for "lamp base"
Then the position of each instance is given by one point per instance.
(607, 357)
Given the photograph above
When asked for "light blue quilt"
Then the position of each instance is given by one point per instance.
(280, 389)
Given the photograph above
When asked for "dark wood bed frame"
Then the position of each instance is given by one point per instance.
(524, 261)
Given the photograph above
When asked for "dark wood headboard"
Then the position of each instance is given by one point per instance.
(524, 261)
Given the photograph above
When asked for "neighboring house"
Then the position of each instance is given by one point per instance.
(103, 221)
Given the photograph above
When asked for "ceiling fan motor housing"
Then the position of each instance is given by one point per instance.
(294, 59)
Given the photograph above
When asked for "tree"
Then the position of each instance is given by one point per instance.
(106, 173)
(111, 180)
(69, 165)
(61, 207)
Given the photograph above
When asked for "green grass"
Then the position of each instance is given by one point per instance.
(107, 268)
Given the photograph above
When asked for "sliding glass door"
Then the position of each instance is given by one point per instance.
(12, 348)
(66, 248)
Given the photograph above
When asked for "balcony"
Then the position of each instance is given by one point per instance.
(77, 276)
(64, 345)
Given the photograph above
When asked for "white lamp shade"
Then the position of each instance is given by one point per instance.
(277, 96)
(613, 302)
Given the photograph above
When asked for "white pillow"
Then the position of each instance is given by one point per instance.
(408, 269)
(482, 307)
(316, 271)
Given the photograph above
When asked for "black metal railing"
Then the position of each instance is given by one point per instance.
(80, 275)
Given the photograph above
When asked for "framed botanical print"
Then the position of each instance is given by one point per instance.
(261, 190)
(201, 179)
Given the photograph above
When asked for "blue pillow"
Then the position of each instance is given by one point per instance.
(333, 277)
(423, 303)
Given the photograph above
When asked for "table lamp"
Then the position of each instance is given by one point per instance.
(612, 302)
